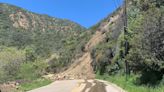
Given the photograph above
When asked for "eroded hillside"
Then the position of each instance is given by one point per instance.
(41, 43)
(17, 18)
(61, 49)
(83, 67)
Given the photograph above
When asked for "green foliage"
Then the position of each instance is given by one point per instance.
(145, 55)
(10, 61)
(30, 54)
(24, 48)
(13, 66)
(144, 36)
(129, 85)
(34, 84)
(40, 36)
(37, 68)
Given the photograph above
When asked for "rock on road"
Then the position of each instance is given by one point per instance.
(79, 86)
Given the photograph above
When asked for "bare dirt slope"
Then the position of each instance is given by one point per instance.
(82, 68)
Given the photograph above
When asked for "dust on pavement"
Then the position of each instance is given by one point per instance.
(79, 86)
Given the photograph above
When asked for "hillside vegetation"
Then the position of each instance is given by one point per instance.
(145, 60)
(42, 44)
(38, 43)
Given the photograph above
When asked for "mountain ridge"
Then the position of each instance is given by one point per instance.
(13, 12)
(98, 52)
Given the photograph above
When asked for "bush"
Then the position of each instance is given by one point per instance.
(31, 70)
(10, 61)
(34, 84)
(13, 66)
(146, 53)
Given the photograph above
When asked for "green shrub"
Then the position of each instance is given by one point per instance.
(34, 84)
(10, 61)
(13, 66)
(129, 83)
(31, 70)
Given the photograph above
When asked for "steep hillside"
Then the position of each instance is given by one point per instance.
(82, 68)
(144, 38)
(15, 18)
(38, 39)
(39, 43)
(21, 28)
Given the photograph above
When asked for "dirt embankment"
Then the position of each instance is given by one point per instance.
(9, 87)
(82, 68)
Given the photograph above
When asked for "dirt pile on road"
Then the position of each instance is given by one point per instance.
(82, 68)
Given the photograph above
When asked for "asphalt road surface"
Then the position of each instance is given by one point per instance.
(79, 86)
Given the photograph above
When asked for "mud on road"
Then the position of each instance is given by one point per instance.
(95, 86)
(79, 86)
(98, 87)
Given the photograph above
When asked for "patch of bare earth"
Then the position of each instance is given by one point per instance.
(8, 87)
(82, 68)
(19, 20)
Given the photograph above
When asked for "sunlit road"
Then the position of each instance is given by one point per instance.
(79, 86)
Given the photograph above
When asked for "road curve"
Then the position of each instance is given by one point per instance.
(79, 86)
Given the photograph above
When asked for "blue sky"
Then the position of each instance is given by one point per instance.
(84, 12)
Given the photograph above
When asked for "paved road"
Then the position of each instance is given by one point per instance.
(79, 86)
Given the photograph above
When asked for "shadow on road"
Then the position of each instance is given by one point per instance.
(97, 87)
